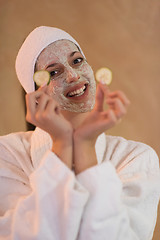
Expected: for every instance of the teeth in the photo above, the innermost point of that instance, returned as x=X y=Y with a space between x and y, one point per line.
x=77 y=92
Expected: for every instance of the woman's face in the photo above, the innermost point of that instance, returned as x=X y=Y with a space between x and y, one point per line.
x=72 y=80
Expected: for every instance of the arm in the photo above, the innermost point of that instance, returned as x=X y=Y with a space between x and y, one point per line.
x=52 y=200
x=97 y=122
x=44 y=112
x=122 y=204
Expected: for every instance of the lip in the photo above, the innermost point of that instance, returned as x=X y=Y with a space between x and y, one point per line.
x=76 y=87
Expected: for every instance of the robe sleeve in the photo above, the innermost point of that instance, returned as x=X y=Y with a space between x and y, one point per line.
x=51 y=207
x=123 y=202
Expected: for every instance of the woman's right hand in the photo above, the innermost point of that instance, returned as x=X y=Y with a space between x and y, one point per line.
x=44 y=112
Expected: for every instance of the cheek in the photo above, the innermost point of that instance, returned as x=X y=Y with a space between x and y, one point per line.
x=86 y=71
x=55 y=88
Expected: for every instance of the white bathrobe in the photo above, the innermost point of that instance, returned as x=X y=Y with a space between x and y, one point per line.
x=42 y=199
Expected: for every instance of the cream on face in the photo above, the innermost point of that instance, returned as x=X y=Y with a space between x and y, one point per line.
x=73 y=85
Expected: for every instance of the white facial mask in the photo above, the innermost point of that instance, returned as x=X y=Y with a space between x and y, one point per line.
x=70 y=77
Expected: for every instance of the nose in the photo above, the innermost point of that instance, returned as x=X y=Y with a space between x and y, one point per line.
x=72 y=75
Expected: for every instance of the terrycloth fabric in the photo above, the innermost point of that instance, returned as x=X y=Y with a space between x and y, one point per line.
x=41 y=198
x=36 y=41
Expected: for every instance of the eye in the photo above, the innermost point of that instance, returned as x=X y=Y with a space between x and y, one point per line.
x=53 y=73
x=56 y=72
x=78 y=61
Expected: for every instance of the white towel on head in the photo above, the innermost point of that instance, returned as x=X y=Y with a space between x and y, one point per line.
x=36 y=41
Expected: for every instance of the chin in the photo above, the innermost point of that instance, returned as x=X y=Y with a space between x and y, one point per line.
x=78 y=108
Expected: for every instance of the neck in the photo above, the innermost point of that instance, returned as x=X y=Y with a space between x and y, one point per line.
x=75 y=118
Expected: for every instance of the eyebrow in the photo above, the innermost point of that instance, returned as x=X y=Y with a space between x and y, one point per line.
x=51 y=65
x=71 y=55
x=54 y=64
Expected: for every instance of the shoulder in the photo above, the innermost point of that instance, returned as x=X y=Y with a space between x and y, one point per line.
x=15 y=145
x=13 y=138
x=123 y=152
x=126 y=145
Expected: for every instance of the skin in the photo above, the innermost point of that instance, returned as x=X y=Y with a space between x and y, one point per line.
x=68 y=74
x=73 y=132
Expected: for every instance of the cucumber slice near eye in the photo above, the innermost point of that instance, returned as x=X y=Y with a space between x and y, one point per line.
x=41 y=77
x=104 y=75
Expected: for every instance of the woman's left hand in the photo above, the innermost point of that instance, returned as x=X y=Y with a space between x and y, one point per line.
x=97 y=122
x=100 y=120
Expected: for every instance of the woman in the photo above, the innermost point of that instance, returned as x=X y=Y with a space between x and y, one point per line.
x=66 y=179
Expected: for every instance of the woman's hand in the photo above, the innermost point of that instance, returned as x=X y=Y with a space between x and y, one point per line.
x=44 y=112
x=97 y=121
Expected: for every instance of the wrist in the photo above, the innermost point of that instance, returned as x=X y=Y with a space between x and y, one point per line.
x=63 y=148
x=63 y=136
x=84 y=142
x=84 y=155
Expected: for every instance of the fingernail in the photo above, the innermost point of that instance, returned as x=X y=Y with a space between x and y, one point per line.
x=103 y=82
x=44 y=84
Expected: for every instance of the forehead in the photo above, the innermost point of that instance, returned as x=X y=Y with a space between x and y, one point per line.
x=58 y=49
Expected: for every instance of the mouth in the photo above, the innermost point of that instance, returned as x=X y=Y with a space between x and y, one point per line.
x=77 y=91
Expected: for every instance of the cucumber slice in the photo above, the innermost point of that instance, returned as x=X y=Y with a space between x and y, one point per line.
x=104 y=75
x=41 y=77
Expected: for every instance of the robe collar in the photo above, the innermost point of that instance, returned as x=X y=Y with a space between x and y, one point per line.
x=42 y=142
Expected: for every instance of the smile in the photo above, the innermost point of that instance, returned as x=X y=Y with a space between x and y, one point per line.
x=77 y=92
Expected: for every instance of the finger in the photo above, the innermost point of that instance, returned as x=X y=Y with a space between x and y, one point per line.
x=110 y=114
x=109 y=119
x=52 y=107
x=117 y=106
x=99 y=99
x=31 y=102
x=105 y=89
x=42 y=102
x=31 y=105
x=121 y=96
x=43 y=88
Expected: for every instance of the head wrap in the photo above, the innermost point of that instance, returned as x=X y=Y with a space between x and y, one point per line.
x=36 y=41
